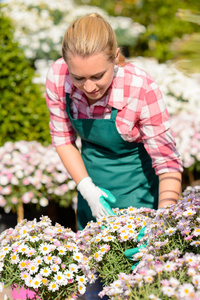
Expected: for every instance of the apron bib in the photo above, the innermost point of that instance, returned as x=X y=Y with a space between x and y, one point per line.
x=124 y=168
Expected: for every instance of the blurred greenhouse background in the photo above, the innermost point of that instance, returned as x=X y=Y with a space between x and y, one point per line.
x=160 y=36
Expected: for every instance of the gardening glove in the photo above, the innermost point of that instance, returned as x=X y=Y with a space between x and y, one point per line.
x=97 y=198
x=130 y=252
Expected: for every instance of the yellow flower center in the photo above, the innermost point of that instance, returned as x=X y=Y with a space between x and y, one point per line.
x=23 y=264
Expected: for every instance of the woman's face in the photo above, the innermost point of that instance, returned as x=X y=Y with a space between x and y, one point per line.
x=92 y=75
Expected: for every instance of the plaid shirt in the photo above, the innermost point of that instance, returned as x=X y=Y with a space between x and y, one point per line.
x=142 y=115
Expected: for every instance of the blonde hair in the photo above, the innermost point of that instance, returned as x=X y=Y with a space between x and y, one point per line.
x=90 y=35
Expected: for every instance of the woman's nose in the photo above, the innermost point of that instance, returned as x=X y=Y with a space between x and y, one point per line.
x=89 y=86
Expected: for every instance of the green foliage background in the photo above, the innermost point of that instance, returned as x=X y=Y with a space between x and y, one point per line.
x=24 y=114
x=160 y=19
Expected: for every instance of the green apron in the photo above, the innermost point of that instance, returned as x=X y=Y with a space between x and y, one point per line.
x=124 y=168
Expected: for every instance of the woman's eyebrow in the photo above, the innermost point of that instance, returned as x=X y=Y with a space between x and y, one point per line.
x=97 y=74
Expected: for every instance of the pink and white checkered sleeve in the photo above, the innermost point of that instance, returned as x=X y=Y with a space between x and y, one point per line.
x=156 y=133
x=61 y=130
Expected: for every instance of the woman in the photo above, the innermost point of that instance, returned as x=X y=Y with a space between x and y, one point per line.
x=119 y=113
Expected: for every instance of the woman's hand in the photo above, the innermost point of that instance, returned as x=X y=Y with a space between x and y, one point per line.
x=97 y=198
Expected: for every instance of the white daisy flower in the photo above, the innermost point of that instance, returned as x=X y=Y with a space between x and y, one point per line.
x=60 y=278
x=69 y=274
x=38 y=260
x=23 y=231
x=53 y=286
x=189 y=212
x=31 y=252
x=48 y=259
x=57 y=260
x=98 y=238
x=81 y=279
x=170 y=231
x=25 y=275
x=2 y=255
x=72 y=246
x=28 y=281
x=174 y=282
x=45 y=281
x=196 y=232
x=33 y=268
x=148 y=278
x=195 y=243
x=191 y=271
x=108 y=238
x=98 y=256
x=124 y=236
x=104 y=249
x=23 y=248
x=137 y=256
x=44 y=248
x=73 y=268
x=54 y=268
x=81 y=289
x=168 y=291
x=14 y=258
x=6 y=249
x=22 y=264
x=45 y=271
x=190 y=259
x=169 y=266
x=33 y=238
x=186 y=290
x=78 y=256
x=36 y=282
x=62 y=250
x=196 y=281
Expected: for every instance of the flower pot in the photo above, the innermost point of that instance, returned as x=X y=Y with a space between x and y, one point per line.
x=22 y=294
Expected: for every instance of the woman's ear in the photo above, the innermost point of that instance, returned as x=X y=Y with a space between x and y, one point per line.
x=117 y=56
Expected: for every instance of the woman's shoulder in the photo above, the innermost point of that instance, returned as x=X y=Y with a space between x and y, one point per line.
x=58 y=75
x=131 y=69
x=59 y=67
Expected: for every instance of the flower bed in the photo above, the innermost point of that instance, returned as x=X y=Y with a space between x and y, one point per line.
x=42 y=258
x=32 y=174
x=167 y=265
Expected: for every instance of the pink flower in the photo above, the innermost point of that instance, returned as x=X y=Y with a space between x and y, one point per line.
x=188 y=238
x=57 y=243
x=2 y=201
x=26 y=181
x=158 y=268
x=14 y=200
x=165 y=282
x=26 y=197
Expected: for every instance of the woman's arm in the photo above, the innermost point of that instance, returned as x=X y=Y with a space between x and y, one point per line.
x=169 y=188
x=96 y=197
x=72 y=160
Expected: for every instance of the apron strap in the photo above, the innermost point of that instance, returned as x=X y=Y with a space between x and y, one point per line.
x=114 y=113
